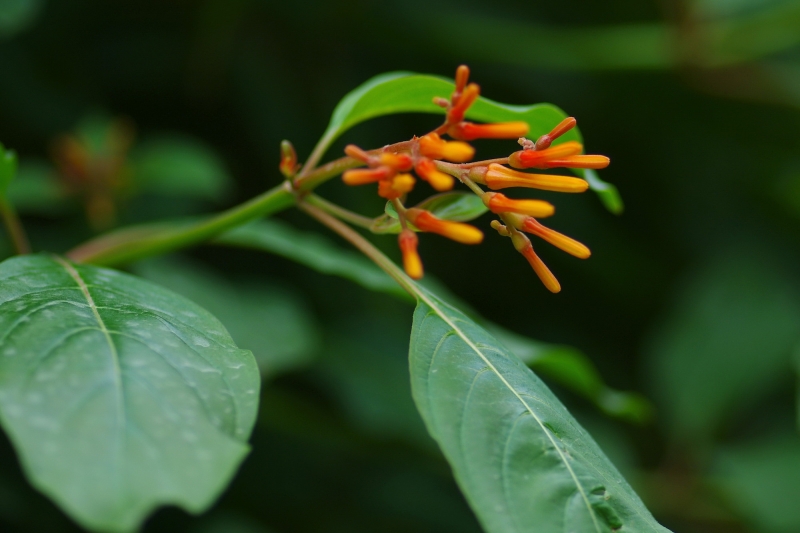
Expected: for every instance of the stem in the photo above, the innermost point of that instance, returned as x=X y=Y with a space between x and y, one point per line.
x=474 y=187
x=139 y=242
x=14 y=227
x=363 y=245
x=339 y=212
x=307 y=182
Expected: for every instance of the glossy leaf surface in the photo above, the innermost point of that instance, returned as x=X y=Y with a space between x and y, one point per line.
x=118 y=395
x=520 y=458
x=402 y=92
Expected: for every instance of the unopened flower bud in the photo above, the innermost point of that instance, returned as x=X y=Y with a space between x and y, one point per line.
x=396 y=187
x=412 y=264
x=463 y=102
x=434 y=147
x=500 y=228
x=288 y=166
x=500 y=203
x=426 y=169
x=357 y=153
x=362 y=176
x=399 y=162
x=462 y=75
x=467 y=131
x=457 y=231
x=569 y=245
x=500 y=177
x=524 y=246
x=533 y=158
x=577 y=161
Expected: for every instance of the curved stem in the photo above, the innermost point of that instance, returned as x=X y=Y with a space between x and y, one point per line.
x=363 y=245
x=139 y=242
x=339 y=212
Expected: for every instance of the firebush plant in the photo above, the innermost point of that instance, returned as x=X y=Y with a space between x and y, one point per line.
x=121 y=396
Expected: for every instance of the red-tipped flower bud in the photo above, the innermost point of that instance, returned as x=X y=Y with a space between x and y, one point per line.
x=467 y=131
x=534 y=158
x=457 y=231
x=500 y=177
x=463 y=102
x=288 y=166
x=412 y=264
x=569 y=245
x=500 y=203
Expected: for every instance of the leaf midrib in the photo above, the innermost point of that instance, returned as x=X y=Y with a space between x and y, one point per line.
x=422 y=296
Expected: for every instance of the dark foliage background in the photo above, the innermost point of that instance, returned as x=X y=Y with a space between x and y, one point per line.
x=691 y=296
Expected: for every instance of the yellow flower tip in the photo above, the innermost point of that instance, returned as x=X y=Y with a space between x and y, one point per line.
x=536 y=158
x=432 y=146
x=500 y=203
x=467 y=131
x=457 y=231
x=400 y=162
x=362 y=176
x=288 y=165
x=426 y=169
x=412 y=264
x=567 y=244
x=356 y=153
x=396 y=187
x=524 y=246
x=500 y=177
x=578 y=161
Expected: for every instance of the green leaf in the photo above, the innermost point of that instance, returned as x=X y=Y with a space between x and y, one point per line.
x=180 y=166
x=118 y=395
x=759 y=480
x=570 y=368
x=403 y=92
x=268 y=319
x=18 y=15
x=733 y=321
x=520 y=458
x=457 y=206
x=312 y=250
x=8 y=168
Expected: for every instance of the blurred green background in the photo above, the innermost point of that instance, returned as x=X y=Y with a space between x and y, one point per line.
x=691 y=297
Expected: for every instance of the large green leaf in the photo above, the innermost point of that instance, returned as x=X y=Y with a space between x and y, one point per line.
x=520 y=458
x=118 y=395
x=403 y=92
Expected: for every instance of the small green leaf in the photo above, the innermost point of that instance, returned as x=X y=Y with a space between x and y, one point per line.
x=312 y=250
x=118 y=395
x=403 y=92
x=180 y=166
x=456 y=206
x=521 y=460
x=8 y=168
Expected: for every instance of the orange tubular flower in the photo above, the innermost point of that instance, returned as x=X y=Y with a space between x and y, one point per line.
x=567 y=244
x=500 y=177
x=362 y=176
x=467 y=131
x=563 y=127
x=412 y=264
x=500 y=203
x=524 y=246
x=457 y=231
x=399 y=162
x=426 y=169
x=462 y=103
x=396 y=186
x=534 y=158
x=577 y=161
x=432 y=146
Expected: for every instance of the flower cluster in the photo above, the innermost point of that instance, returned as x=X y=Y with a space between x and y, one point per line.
x=440 y=162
